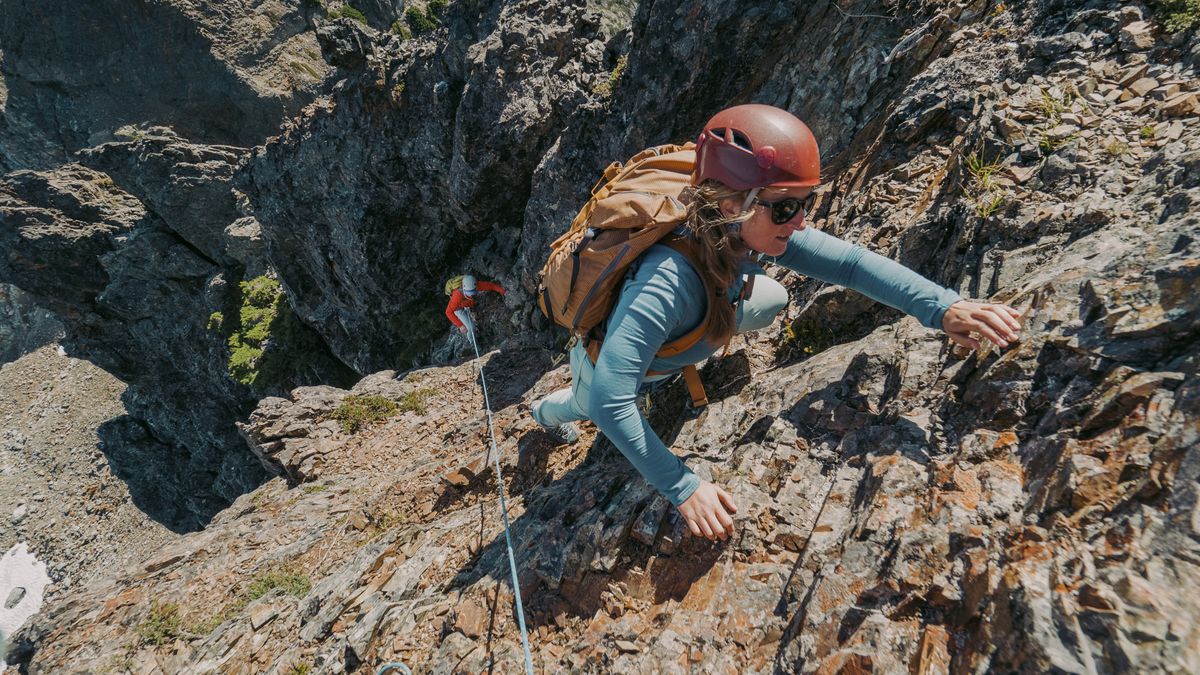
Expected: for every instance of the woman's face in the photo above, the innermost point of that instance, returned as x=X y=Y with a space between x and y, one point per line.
x=760 y=232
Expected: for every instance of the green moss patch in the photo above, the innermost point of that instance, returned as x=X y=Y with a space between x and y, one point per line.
x=349 y=12
x=269 y=347
x=607 y=88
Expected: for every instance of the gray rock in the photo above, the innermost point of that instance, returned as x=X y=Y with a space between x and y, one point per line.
x=216 y=75
x=901 y=507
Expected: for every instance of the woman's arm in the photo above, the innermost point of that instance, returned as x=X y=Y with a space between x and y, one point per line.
x=660 y=296
x=825 y=257
x=454 y=305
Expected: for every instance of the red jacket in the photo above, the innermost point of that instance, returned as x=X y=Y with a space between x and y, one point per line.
x=459 y=301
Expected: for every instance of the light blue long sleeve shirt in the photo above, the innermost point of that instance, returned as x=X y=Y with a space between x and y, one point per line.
x=663 y=297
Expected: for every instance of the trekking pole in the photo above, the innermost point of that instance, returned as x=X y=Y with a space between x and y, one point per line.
x=512 y=563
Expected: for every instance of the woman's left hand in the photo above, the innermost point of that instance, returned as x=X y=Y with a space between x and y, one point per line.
x=998 y=323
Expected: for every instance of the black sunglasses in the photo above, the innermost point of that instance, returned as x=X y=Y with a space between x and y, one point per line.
x=783 y=210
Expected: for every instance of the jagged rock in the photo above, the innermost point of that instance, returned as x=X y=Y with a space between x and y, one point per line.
x=1181 y=105
x=1055 y=45
x=902 y=507
x=186 y=185
x=76 y=74
x=23 y=325
x=1137 y=36
x=133 y=296
x=345 y=43
x=457 y=131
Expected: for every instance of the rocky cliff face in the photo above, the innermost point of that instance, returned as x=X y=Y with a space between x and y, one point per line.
x=903 y=507
x=73 y=74
x=141 y=253
x=23 y=325
x=61 y=488
x=421 y=160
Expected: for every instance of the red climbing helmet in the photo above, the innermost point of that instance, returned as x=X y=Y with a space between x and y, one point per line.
x=757 y=146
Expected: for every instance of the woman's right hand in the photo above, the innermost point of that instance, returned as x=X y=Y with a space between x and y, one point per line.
x=707 y=512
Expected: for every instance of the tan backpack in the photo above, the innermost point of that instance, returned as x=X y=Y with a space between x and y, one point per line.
x=633 y=206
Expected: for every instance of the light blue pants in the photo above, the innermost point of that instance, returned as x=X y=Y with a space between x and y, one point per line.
x=570 y=404
x=464 y=315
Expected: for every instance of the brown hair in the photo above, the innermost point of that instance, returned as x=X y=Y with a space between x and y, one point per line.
x=716 y=234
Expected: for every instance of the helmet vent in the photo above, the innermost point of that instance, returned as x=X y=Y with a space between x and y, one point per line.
x=742 y=140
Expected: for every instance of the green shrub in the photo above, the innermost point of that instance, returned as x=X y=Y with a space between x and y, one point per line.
x=261 y=298
x=357 y=411
x=1177 y=15
x=349 y=12
x=162 y=626
x=419 y=21
x=206 y=626
x=1147 y=133
x=216 y=320
x=808 y=337
x=436 y=7
x=414 y=401
x=297 y=585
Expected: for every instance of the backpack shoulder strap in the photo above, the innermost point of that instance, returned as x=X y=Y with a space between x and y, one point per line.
x=686 y=247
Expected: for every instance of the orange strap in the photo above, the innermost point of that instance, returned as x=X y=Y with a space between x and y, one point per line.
x=695 y=387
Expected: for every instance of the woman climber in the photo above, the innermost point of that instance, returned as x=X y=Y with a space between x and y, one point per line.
x=462 y=291
x=755 y=170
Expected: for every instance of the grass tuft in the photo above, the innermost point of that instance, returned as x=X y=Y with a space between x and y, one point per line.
x=414 y=401
x=1052 y=108
x=296 y=585
x=982 y=191
x=357 y=411
x=401 y=29
x=162 y=626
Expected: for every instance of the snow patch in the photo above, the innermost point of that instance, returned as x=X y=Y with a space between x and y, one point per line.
x=23 y=581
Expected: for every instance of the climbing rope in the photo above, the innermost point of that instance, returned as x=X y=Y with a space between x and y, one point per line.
x=495 y=453
x=394 y=666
